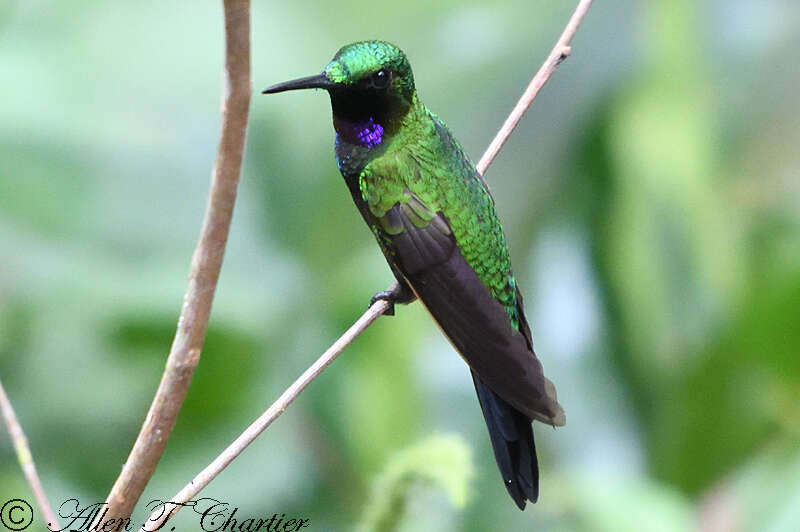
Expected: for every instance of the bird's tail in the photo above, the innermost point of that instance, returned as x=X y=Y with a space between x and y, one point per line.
x=512 y=441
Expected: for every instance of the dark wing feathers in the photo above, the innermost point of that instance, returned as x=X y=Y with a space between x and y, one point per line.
x=475 y=322
x=508 y=377
x=419 y=247
x=512 y=441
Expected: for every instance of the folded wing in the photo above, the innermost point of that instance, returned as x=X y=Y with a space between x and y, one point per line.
x=424 y=249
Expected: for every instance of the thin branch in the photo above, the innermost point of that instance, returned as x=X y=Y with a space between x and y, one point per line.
x=376 y=309
x=205 y=268
x=26 y=459
x=271 y=414
x=560 y=52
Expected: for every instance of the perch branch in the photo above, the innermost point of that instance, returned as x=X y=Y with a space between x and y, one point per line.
x=26 y=459
x=204 y=272
x=558 y=54
x=200 y=481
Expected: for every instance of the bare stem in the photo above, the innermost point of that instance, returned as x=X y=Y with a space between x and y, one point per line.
x=271 y=414
x=560 y=51
x=26 y=459
x=205 y=268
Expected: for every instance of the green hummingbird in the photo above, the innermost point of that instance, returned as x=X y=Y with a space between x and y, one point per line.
x=436 y=223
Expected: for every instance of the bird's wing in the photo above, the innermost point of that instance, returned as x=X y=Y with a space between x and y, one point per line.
x=424 y=249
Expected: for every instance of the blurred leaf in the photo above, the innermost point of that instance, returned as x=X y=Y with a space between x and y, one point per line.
x=228 y=363
x=444 y=461
x=740 y=391
x=614 y=503
x=763 y=495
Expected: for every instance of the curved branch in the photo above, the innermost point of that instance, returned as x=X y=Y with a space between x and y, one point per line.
x=206 y=263
x=560 y=52
x=155 y=522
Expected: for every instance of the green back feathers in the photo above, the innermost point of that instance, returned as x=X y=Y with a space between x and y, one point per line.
x=421 y=159
x=426 y=162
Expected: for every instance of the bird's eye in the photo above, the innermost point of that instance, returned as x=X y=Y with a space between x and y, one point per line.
x=381 y=79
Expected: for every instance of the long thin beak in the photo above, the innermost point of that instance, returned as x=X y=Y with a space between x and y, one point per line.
x=318 y=81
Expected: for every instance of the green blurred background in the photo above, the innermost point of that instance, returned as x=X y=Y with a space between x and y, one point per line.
x=651 y=199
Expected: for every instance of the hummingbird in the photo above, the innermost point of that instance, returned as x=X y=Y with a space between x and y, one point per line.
x=435 y=222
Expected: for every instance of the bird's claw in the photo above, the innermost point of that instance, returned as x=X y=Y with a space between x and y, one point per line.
x=397 y=293
x=389 y=297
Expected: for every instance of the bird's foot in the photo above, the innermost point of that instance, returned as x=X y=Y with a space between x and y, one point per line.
x=397 y=293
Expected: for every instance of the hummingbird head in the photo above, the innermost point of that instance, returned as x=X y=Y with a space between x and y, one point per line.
x=371 y=87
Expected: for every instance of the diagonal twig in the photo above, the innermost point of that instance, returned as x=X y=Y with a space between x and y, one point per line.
x=26 y=460
x=157 y=518
x=205 y=268
x=559 y=53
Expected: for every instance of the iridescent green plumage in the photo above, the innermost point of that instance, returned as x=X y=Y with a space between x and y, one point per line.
x=436 y=224
x=419 y=163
